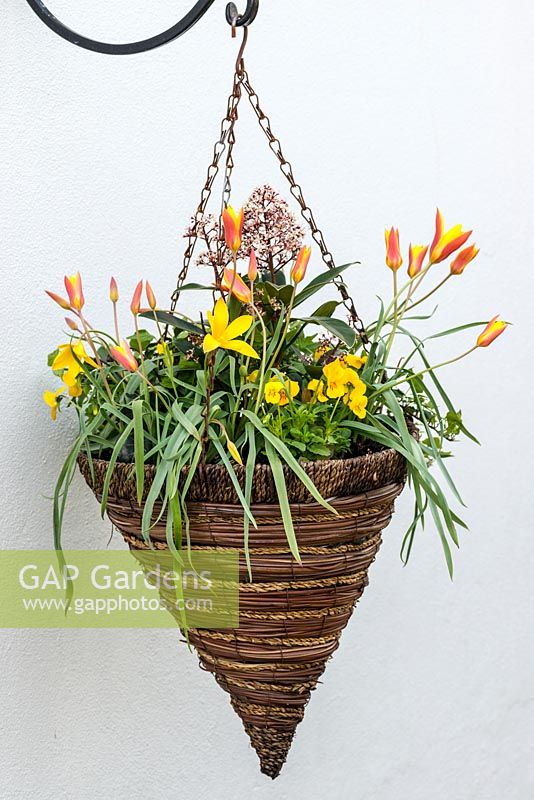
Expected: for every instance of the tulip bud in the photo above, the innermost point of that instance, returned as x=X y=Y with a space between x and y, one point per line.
x=417 y=255
x=59 y=300
x=300 y=266
x=73 y=285
x=151 y=297
x=252 y=267
x=234 y=284
x=136 y=299
x=393 y=253
x=113 y=291
x=233 y=227
x=446 y=243
x=464 y=258
x=72 y=325
x=493 y=329
x=124 y=356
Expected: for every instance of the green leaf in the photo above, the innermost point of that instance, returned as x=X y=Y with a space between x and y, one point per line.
x=166 y=318
x=327 y=309
x=290 y=460
x=139 y=448
x=281 y=491
x=324 y=279
x=112 y=461
x=335 y=326
x=231 y=472
x=249 y=477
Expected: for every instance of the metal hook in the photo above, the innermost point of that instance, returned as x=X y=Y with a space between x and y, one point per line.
x=181 y=27
x=237 y=20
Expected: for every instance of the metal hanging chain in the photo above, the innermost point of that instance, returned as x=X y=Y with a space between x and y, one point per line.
x=227 y=140
x=213 y=170
x=307 y=213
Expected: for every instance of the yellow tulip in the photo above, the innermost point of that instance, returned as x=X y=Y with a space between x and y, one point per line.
x=224 y=333
x=51 y=400
x=234 y=452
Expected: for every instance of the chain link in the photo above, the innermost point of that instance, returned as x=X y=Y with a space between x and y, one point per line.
x=227 y=140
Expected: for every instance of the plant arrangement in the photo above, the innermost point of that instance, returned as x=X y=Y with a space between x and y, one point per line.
x=271 y=373
x=272 y=426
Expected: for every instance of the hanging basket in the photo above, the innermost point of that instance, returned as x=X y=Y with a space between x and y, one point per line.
x=291 y=616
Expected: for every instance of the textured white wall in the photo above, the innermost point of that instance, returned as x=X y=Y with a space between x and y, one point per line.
x=386 y=109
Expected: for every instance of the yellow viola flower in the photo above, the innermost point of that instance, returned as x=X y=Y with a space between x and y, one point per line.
x=356 y=362
x=51 y=400
x=338 y=376
x=275 y=391
x=70 y=358
x=224 y=333
x=253 y=377
x=317 y=389
x=358 y=403
x=162 y=348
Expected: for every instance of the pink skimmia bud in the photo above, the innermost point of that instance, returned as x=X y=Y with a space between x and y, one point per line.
x=233 y=227
x=59 y=300
x=417 y=255
x=113 y=291
x=73 y=285
x=123 y=355
x=464 y=258
x=151 y=297
x=72 y=325
x=493 y=329
x=136 y=299
x=252 y=266
x=446 y=243
x=393 y=253
x=234 y=284
x=298 y=271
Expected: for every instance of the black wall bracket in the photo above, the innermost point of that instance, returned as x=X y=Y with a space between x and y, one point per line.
x=234 y=18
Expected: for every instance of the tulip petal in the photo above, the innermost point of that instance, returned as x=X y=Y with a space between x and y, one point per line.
x=238 y=327
x=241 y=347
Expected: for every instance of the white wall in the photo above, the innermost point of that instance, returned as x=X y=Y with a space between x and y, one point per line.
x=386 y=108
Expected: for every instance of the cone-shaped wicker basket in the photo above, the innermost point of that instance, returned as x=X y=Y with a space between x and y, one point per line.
x=291 y=615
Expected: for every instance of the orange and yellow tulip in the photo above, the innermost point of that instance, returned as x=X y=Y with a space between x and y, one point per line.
x=298 y=271
x=135 y=305
x=236 y=285
x=493 y=329
x=113 y=291
x=464 y=258
x=73 y=285
x=123 y=355
x=446 y=243
x=151 y=297
x=252 y=266
x=64 y=304
x=417 y=255
x=233 y=227
x=393 y=253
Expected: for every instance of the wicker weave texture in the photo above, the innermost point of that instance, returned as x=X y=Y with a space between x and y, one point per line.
x=291 y=615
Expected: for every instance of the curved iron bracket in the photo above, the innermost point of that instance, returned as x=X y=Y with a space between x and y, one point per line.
x=186 y=23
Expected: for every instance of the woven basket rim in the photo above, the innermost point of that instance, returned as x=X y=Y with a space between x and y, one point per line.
x=211 y=483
